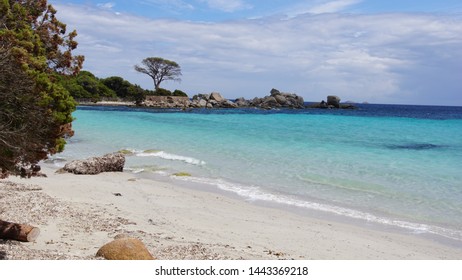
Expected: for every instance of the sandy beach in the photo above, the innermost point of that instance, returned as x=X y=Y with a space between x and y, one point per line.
x=79 y=214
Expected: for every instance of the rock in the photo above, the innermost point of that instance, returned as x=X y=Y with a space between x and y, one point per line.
x=167 y=101
x=333 y=100
x=228 y=104
x=269 y=102
x=108 y=163
x=280 y=99
x=217 y=97
x=256 y=102
x=347 y=106
x=214 y=103
x=202 y=103
x=275 y=92
x=300 y=101
x=241 y=102
x=125 y=249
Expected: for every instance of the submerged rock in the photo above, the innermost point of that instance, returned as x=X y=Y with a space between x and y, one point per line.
x=182 y=174
x=108 y=163
x=414 y=146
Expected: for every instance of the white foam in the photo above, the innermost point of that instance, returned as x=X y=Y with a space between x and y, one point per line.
x=255 y=193
x=134 y=170
x=168 y=156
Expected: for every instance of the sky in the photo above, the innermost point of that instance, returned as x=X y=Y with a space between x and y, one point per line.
x=376 y=51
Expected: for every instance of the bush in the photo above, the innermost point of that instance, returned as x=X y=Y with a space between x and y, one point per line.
x=178 y=92
x=162 y=92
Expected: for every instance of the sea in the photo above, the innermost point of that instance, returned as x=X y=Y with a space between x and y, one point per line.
x=391 y=167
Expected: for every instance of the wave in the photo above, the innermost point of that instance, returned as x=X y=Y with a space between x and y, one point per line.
x=167 y=156
x=254 y=193
x=56 y=161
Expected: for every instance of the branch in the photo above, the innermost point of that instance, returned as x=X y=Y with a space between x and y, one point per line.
x=19 y=232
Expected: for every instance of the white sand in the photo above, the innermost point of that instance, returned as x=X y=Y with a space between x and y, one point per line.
x=79 y=214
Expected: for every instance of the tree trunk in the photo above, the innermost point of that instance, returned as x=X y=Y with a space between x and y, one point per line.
x=20 y=232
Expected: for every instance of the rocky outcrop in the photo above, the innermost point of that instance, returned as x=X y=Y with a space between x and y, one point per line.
x=241 y=102
x=279 y=99
x=167 y=101
x=334 y=101
x=213 y=100
x=108 y=163
x=217 y=97
x=125 y=249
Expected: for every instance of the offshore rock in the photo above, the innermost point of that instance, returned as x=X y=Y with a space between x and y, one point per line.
x=241 y=102
x=333 y=100
x=213 y=100
x=279 y=99
x=125 y=249
x=270 y=102
x=217 y=97
x=108 y=163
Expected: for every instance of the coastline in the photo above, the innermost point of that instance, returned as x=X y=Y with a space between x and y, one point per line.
x=79 y=214
x=107 y=103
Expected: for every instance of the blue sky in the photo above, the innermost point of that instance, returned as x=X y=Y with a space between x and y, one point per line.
x=402 y=52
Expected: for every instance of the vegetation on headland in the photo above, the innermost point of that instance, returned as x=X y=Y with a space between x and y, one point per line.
x=35 y=109
x=87 y=87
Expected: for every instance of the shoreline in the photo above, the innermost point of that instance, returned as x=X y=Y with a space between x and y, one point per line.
x=82 y=213
x=400 y=227
x=107 y=103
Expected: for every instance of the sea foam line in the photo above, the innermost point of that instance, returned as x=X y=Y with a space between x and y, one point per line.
x=254 y=193
x=168 y=156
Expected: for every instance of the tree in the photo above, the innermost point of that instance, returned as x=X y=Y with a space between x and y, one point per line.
x=93 y=88
x=35 y=110
x=160 y=70
x=124 y=89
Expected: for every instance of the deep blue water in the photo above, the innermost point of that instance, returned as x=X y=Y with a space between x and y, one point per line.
x=393 y=165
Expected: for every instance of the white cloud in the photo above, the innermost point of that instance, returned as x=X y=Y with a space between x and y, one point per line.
x=397 y=58
x=169 y=4
x=108 y=5
x=320 y=7
x=332 y=6
x=227 y=5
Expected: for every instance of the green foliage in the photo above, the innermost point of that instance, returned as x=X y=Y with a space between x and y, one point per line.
x=120 y=86
x=86 y=86
x=178 y=92
x=94 y=86
x=162 y=92
x=35 y=109
x=166 y=92
x=125 y=90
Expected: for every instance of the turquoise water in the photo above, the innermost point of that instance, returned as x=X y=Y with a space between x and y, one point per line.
x=394 y=166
